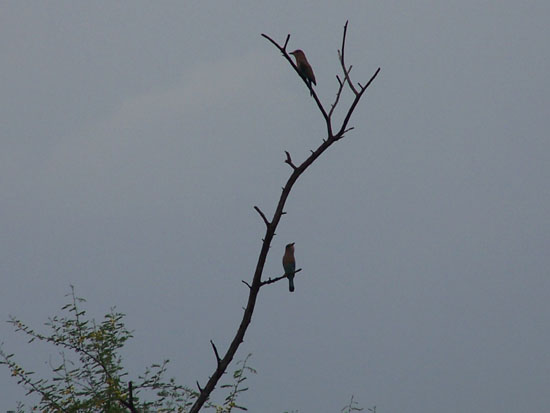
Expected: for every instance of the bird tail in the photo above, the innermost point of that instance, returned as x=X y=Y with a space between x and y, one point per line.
x=308 y=82
x=291 y=283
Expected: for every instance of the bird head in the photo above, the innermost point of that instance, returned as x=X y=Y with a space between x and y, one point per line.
x=298 y=54
x=290 y=246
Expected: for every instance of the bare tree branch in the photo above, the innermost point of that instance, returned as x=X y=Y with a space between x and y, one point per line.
x=354 y=104
x=262 y=215
x=282 y=277
x=337 y=98
x=289 y=160
x=271 y=226
x=218 y=359
x=342 y=61
x=286 y=41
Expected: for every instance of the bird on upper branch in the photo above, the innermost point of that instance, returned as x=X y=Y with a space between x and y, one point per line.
x=304 y=68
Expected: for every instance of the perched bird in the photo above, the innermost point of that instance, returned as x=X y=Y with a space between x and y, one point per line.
x=304 y=67
x=289 y=264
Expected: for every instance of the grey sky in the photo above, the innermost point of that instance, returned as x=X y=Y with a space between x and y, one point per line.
x=136 y=138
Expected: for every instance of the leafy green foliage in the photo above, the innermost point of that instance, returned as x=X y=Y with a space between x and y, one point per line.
x=239 y=377
x=89 y=376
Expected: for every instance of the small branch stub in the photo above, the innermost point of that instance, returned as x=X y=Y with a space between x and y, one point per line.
x=218 y=359
x=130 y=403
x=289 y=160
x=286 y=41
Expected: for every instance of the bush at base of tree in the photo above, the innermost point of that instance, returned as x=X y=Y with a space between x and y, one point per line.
x=90 y=377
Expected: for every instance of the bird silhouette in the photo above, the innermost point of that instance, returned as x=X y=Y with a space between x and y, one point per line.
x=289 y=264
x=304 y=68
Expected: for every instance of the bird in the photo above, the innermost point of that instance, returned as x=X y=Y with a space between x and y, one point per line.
x=289 y=264
x=304 y=68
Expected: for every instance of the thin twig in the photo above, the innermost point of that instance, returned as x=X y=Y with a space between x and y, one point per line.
x=338 y=93
x=289 y=160
x=342 y=60
x=370 y=80
x=286 y=41
x=262 y=215
x=282 y=277
x=354 y=104
x=218 y=359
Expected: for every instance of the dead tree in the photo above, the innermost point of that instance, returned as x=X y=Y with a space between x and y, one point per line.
x=222 y=362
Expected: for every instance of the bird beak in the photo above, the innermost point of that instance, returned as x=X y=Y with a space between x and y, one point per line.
x=293 y=243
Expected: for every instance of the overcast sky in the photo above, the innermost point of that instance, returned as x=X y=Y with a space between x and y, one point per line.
x=136 y=137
